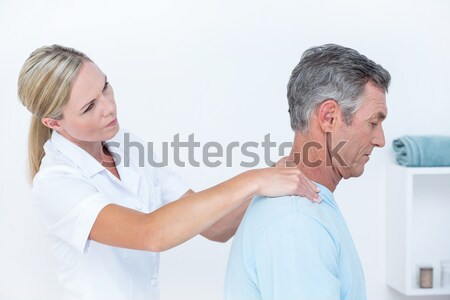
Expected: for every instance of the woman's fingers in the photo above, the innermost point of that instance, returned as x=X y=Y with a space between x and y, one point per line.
x=285 y=178
x=286 y=163
x=306 y=188
x=313 y=189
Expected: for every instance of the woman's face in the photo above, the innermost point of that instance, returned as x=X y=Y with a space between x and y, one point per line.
x=90 y=114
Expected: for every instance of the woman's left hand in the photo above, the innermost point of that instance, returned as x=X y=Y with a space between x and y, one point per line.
x=285 y=178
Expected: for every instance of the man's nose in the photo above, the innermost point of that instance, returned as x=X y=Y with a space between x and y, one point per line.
x=378 y=140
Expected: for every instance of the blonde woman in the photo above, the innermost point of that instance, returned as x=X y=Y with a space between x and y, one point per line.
x=106 y=221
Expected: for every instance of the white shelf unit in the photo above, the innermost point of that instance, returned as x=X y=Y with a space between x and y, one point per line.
x=418 y=226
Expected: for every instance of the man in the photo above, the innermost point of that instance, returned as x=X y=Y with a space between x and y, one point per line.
x=294 y=249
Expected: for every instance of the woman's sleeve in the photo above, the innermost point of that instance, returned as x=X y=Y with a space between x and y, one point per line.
x=171 y=185
x=69 y=204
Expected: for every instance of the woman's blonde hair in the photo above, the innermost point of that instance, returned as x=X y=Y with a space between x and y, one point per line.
x=44 y=86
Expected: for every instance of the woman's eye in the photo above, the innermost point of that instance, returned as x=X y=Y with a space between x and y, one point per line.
x=89 y=107
x=106 y=86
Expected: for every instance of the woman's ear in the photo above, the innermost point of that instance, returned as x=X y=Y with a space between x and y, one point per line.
x=328 y=114
x=52 y=124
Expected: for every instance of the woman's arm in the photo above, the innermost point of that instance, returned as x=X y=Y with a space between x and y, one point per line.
x=181 y=220
x=226 y=227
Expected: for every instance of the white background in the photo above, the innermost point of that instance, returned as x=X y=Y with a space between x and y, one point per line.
x=218 y=69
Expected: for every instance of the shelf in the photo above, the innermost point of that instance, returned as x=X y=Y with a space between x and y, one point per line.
x=421 y=171
x=428 y=292
x=418 y=226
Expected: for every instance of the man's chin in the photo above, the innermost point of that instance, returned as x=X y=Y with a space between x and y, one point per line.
x=358 y=172
x=353 y=172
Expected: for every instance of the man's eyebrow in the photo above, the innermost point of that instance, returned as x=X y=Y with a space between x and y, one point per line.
x=380 y=116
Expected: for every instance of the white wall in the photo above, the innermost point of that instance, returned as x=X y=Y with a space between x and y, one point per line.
x=217 y=69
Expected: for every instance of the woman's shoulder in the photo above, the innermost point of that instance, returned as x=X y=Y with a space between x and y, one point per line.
x=56 y=171
x=55 y=166
x=55 y=161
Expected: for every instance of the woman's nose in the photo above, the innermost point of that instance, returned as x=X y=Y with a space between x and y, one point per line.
x=108 y=106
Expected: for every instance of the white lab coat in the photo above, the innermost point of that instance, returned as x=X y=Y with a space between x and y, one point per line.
x=70 y=189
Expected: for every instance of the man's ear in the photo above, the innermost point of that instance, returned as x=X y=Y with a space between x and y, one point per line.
x=52 y=124
x=328 y=114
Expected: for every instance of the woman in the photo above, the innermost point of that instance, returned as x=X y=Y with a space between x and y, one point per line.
x=106 y=221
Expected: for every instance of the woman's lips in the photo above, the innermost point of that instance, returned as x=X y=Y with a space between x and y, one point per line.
x=113 y=122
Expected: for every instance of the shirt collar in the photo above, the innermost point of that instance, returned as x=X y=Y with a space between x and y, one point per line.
x=130 y=179
x=88 y=164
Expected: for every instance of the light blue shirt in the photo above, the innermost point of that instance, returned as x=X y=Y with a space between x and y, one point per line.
x=289 y=248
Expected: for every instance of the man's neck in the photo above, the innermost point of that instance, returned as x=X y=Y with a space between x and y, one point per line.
x=312 y=157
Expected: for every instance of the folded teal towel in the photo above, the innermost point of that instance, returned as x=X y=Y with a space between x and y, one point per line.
x=423 y=151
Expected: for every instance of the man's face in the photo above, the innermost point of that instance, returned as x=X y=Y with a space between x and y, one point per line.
x=363 y=134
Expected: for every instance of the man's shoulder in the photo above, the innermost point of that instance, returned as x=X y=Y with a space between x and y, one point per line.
x=266 y=212
x=271 y=205
x=270 y=209
x=288 y=218
x=269 y=212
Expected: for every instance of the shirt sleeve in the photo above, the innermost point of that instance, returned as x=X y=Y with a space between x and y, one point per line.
x=68 y=203
x=296 y=258
x=171 y=185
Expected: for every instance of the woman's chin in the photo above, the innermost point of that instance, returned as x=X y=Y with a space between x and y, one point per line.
x=112 y=132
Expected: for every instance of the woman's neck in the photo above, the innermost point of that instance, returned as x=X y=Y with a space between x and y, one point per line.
x=95 y=149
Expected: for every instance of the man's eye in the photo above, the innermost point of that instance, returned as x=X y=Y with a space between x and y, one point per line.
x=89 y=107
x=374 y=124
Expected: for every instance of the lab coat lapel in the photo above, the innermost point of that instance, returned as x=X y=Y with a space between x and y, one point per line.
x=87 y=164
x=129 y=177
x=129 y=174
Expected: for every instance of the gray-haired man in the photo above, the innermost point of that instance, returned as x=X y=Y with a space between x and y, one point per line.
x=292 y=248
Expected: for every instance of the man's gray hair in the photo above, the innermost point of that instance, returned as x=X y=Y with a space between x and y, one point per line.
x=331 y=72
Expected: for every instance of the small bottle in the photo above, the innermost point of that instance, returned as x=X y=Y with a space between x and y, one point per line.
x=445 y=273
x=426 y=277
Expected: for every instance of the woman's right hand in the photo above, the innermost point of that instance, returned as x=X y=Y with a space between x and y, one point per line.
x=285 y=178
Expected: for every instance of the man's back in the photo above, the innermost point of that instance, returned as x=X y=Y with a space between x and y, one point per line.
x=290 y=248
